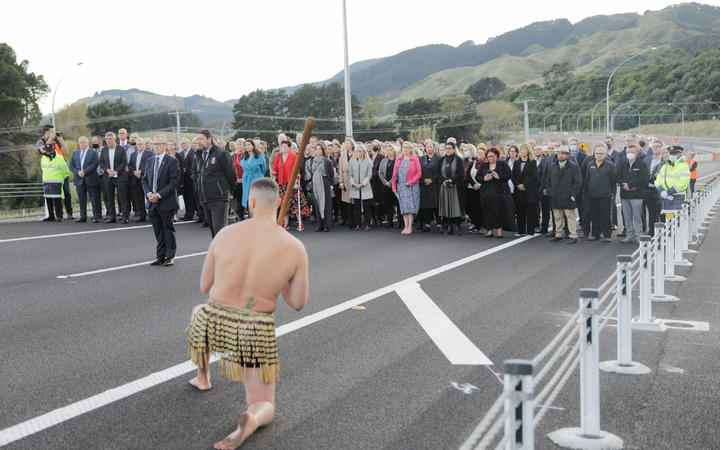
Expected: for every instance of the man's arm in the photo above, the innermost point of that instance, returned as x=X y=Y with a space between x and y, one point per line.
x=207 y=278
x=297 y=290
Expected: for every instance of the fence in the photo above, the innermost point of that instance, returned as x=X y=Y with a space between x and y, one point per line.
x=577 y=342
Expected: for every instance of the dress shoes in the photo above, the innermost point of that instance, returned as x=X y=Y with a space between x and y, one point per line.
x=125 y=220
x=572 y=241
x=158 y=261
x=556 y=239
x=49 y=219
x=59 y=219
x=110 y=221
x=96 y=221
x=169 y=262
x=82 y=220
x=141 y=219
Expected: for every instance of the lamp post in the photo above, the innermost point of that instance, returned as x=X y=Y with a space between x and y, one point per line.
x=56 y=88
x=682 y=118
x=607 y=89
x=348 y=97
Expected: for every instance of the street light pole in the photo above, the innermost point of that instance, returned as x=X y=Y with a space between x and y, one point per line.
x=348 y=95
x=56 y=88
x=607 y=89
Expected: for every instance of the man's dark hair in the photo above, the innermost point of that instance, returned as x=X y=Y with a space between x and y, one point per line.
x=206 y=133
x=47 y=127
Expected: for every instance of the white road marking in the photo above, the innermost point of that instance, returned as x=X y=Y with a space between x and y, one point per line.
x=465 y=388
x=672 y=369
x=456 y=347
x=65 y=413
x=77 y=233
x=126 y=266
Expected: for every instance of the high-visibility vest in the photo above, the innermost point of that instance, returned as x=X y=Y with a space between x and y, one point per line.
x=693 y=172
x=673 y=178
x=54 y=171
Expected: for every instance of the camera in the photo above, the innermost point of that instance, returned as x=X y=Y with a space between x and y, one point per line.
x=375 y=148
x=58 y=134
x=488 y=172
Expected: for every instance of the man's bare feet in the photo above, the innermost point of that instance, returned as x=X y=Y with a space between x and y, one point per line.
x=201 y=384
x=246 y=426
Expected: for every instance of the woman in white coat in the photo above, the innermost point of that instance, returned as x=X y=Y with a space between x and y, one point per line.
x=360 y=189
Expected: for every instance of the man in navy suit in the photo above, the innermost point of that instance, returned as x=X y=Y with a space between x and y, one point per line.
x=83 y=165
x=160 y=182
x=136 y=169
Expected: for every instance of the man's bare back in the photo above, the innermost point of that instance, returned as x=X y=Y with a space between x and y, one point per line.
x=250 y=263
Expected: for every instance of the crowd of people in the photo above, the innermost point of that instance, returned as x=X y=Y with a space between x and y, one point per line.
x=563 y=189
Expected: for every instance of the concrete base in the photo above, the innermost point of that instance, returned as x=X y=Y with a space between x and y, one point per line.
x=664 y=298
x=573 y=438
x=634 y=368
x=654 y=325
x=691 y=251
x=683 y=263
x=675 y=278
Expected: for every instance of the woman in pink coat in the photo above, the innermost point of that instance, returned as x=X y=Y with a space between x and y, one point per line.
x=406 y=175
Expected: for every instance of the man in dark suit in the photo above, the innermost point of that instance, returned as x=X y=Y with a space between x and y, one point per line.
x=136 y=168
x=160 y=182
x=113 y=161
x=83 y=165
x=188 y=155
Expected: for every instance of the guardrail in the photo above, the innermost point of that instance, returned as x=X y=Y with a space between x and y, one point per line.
x=15 y=190
x=577 y=342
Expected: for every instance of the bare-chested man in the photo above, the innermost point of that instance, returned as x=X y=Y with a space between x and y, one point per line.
x=247 y=266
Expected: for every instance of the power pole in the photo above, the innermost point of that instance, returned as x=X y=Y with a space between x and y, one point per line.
x=526 y=116
x=177 y=117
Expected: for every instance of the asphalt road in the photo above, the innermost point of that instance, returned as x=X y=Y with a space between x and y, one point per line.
x=358 y=379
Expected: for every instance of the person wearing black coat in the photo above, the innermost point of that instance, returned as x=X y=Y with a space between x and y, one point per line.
x=216 y=179
x=451 y=184
x=562 y=186
x=633 y=180
x=429 y=187
x=525 y=179
x=600 y=183
x=495 y=199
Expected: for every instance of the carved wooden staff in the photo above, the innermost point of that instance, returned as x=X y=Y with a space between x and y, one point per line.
x=309 y=125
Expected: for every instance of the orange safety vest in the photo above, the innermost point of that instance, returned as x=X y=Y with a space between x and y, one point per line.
x=693 y=172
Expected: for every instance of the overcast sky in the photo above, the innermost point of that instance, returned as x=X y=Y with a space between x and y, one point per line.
x=224 y=49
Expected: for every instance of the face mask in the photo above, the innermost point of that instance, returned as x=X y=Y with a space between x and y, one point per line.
x=467 y=154
x=573 y=148
x=682 y=158
x=545 y=148
x=631 y=156
x=96 y=146
x=642 y=143
x=672 y=158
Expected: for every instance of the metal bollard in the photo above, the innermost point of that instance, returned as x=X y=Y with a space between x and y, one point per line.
x=659 y=265
x=670 y=222
x=680 y=238
x=646 y=321
x=687 y=239
x=519 y=405
x=589 y=434
x=624 y=363
x=692 y=222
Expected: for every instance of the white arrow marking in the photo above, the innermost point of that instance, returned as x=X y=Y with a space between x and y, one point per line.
x=449 y=339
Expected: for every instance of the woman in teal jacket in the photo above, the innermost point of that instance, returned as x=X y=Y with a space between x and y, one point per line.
x=254 y=167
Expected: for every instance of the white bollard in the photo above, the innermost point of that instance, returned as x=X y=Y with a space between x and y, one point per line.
x=589 y=435
x=659 y=265
x=519 y=405
x=692 y=222
x=670 y=230
x=624 y=363
x=646 y=321
x=680 y=235
x=687 y=239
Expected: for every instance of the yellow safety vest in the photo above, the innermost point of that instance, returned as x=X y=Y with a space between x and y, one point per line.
x=673 y=178
x=54 y=170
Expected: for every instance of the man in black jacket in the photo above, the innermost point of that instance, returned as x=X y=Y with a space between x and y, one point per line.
x=216 y=178
x=600 y=183
x=188 y=155
x=633 y=180
x=562 y=186
x=113 y=161
x=652 y=197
